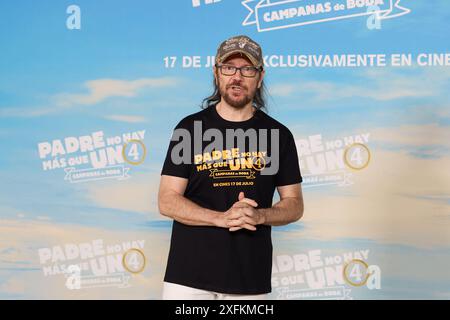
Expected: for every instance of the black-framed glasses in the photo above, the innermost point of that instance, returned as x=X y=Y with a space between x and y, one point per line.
x=246 y=71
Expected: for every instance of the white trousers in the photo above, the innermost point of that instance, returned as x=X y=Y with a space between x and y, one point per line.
x=173 y=291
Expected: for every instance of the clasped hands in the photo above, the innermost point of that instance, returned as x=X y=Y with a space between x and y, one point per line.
x=243 y=215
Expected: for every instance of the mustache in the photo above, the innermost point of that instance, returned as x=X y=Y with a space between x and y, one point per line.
x=236 y=84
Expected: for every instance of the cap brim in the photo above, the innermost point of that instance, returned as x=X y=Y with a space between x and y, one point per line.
x=250 y=57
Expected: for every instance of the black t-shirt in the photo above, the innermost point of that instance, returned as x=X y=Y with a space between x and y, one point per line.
x=213 y=258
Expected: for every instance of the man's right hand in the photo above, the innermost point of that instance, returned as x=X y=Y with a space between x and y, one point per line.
x=229 y=218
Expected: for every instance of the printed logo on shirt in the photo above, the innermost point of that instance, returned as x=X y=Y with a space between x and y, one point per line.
x=233 y=161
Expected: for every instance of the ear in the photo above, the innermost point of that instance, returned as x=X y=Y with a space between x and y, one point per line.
x=261 y=77
x=215 y=74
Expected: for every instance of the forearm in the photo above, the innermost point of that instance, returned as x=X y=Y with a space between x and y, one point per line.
x=183 y=210
x=285 y=211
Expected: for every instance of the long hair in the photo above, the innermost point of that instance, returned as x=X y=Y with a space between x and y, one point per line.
x=259 y=100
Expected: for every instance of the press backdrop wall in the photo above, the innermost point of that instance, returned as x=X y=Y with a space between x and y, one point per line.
x=90 y=92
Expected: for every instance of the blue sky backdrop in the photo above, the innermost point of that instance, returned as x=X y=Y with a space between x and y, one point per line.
x=110 y=76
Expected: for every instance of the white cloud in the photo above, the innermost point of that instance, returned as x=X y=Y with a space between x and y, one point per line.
x=26 y=112
x=377 y=84
x=132 y=195
x=443 y=295
x=13 y=286
x=283 y=90
x=25 y=237
x=126 y=118
x=413 y=135
x=97 y=91
x=102 y=89
x=43 y=218
x=398 y=198
x=381 y=92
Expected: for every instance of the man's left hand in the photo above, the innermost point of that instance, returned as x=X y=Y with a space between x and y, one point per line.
x=249 y=214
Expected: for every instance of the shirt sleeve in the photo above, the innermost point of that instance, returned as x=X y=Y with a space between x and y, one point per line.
x=174 y=165
x=289 y=170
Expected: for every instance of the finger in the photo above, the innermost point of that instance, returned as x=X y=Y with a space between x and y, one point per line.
x=249 y=220
x=234 y=215
x=240 y=205
x=249 y=227
x=246 y=223
x=241 y=196
x=251 y=202
x=248 y=211
x=244 y=226
x=235 y=223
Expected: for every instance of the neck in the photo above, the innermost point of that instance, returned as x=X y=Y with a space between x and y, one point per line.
x=232 y=114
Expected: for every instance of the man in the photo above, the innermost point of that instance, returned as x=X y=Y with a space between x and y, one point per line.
x=220 y=195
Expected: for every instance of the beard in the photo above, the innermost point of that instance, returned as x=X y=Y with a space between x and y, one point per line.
x=237 y=102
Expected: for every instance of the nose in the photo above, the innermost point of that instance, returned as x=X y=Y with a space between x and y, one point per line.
x=237 y=75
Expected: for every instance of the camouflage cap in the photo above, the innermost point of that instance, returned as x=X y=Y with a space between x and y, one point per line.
x=240 y=44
